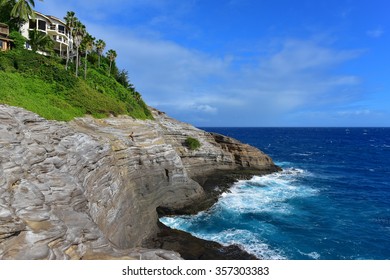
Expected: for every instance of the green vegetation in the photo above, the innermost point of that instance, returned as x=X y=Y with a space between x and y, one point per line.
x=50 y=86
x=18 y=40
x=192 y=143
x=100 y=46
x=16 y=12
x=42 y=85
x=40 y=41
x=111 y=54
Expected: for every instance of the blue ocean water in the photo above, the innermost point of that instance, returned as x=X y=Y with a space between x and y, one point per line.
x=331 y=201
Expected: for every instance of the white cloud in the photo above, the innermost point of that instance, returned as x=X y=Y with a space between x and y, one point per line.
x=291 y=75
x=206 y=108
x=299 y=74
x=376 y=33
x=352 y=113
x=303 y=55
x=191 y=83
x=346 y=12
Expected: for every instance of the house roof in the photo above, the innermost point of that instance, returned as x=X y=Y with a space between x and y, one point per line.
x=42 y=15
x=57 y=19
x=50 y=19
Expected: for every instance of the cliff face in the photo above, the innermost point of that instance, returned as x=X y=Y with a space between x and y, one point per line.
x=90 y=188
x=217 y=152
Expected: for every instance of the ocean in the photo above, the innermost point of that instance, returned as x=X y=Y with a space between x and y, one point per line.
x=330 y=202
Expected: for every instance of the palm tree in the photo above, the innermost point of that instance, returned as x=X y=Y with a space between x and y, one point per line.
x=39 y=41
x=22 y=9
x=100 y=46
x=111 y=54
x=70 y=20
x=78 y=34
x=88 y=44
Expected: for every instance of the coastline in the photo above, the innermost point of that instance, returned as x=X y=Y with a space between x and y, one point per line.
x=193 y=248
x=86 y=188
x=214 y=185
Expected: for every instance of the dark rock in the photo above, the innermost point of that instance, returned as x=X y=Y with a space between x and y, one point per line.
x=192 y=248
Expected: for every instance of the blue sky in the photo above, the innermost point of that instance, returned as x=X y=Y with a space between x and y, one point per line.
x=250 y=62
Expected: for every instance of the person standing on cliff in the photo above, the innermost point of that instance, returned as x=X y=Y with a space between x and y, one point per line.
x=132 y=136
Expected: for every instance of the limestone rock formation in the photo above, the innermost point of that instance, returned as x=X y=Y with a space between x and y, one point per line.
x=89 y=188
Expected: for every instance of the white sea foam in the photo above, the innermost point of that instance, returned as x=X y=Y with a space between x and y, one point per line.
x=262 y=195
x=283 y=163
x=312 y=255
x=268 y=193
x=247 y=240
x=176 y=222
x=302 y=154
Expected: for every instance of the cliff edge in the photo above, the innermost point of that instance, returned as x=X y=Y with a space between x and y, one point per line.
x=90 y=188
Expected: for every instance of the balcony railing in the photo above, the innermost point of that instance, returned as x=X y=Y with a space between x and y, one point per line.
x=60 y=39
x=4 y=31
x=55 y=28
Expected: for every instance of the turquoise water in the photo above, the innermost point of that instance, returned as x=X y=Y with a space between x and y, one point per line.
x=331 y=201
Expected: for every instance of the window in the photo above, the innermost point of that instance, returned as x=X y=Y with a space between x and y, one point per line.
x=32 y=24
x=41 y=25
x=61 y=29
x=1 y=45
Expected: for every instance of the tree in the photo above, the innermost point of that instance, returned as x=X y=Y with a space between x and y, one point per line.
x=88 y=43
x=5 y=14
x=100 y=46
x=22 y=10
x=39 y=41
x=71 y=21
x=122 y=77
x=19 y=41
x=137 y=96
x=111 y=55
x=78 y=34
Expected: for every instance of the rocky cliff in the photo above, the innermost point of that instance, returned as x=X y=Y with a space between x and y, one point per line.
x=90 y=188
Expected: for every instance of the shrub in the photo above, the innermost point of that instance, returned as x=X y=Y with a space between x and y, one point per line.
x=18 y=40
x=192 y=143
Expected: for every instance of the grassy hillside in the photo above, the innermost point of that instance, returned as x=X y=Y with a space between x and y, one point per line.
x=42 y=85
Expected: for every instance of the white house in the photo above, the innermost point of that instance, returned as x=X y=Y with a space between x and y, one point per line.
x=55 y=28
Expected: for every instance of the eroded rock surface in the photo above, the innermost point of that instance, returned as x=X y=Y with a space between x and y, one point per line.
x=89 y=188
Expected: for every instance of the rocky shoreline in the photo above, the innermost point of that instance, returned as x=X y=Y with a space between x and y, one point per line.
x=192 y=248
x=91 y=188
x=214 y=185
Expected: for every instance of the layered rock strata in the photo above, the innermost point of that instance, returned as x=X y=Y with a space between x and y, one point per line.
x=89 y=189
